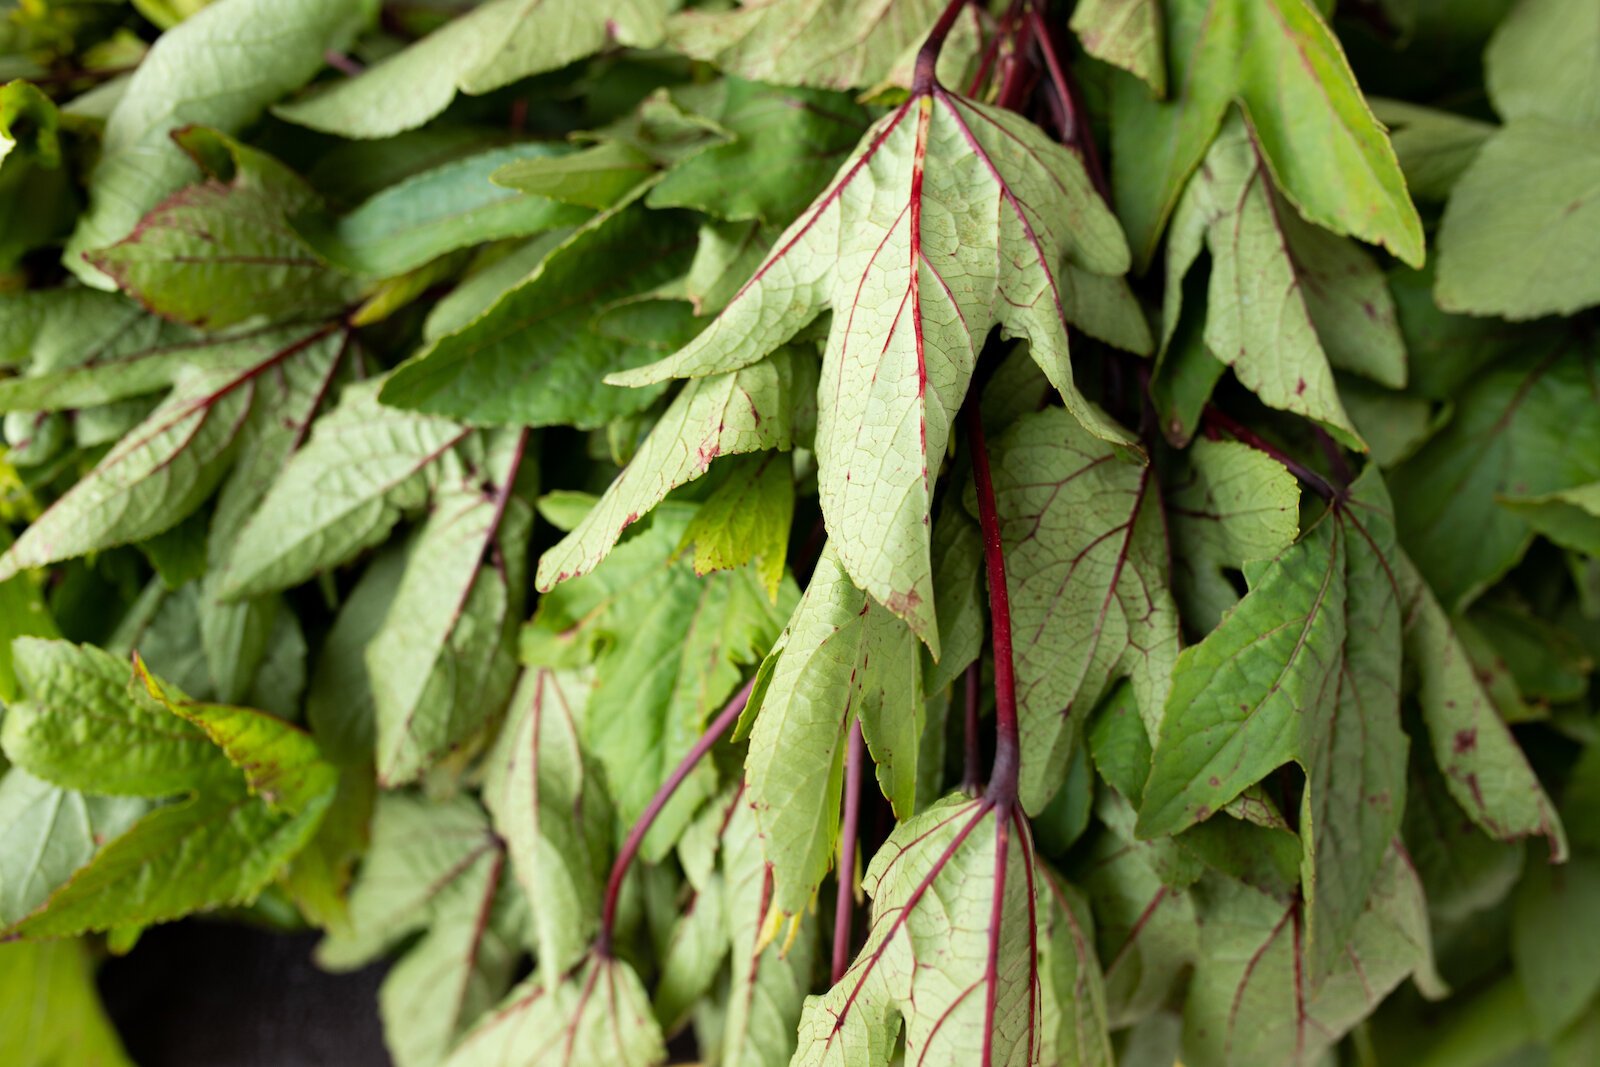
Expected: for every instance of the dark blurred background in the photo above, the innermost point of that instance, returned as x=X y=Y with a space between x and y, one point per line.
x=211 y=994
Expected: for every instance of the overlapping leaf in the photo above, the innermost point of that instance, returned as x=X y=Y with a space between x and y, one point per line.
x=951 y=218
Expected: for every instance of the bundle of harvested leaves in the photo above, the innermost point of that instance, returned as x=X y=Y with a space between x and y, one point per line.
x=846 y=532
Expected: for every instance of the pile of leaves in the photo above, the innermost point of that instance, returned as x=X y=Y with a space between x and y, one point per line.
x=843 y=532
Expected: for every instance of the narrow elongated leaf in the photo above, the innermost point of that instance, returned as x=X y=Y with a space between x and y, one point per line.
x=744 y=411
x=1287 y=302
x=535 y=357
x=496 y=44
x=840 y=657
x=1086 y=568
x=363 y=466
x=220 y=68
x=551 y=807
x=667 y=647
x=443 y=663
x=1306 y=667
x=1073 y=987
x=50 y=1011
x=950 y=952
x=1482 y=765
x=1280 y=61
x=903 y=248
x=434 y=212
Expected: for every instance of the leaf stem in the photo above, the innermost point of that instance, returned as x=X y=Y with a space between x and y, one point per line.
x=1075 y=132
x=923 y=77
x=1216 y=420
x=844 y=902
x=972 y=763
x=1003 y=774
x=630 y=847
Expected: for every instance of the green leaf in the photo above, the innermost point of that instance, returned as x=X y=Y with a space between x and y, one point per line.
x=162 y=470
x=218 y=253
x=1519 y=234
x=1569 y=517
x=220 y=68
x=958 y=591
x=495 y=44
x=839 y=657
x=364 y=465
x=46 y=833
x=50 y=1011
x=853 y=44
x=1306 y=667
x=1127 y=34
x=434 y=212
x=748 y=410
x=1229 y=505
x=950 y=950
x=1553 y=943
x=1248 y=1002
x=786 y=144
x=552 y=809
x=668 y=648
x=86 y=723
x=1280 y=62
x=534 y=357
x=598 y=176
x=599 y=1013
x=768 y=982
x=1434 y=147
x=443 y=663
x=1482 y=765
x=339 y=703
x=1521 y=429
x=280 y=763
x=1073 y=987
x=904 y=340
x=1287 y=302
x=1540 y=62
x=1086 y=566
x=746 y=520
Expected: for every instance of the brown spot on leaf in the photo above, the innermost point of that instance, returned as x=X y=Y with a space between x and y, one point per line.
x=1466 y=741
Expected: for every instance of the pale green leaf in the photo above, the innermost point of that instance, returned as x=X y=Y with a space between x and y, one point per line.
x=1522 y=229
x=1248 y=1003
x=959 y=594
x=220 y=68
x=1434 y=147
x=1073 y=994
x=913 y=302
x=744 y=411
x=364 y=465
x=950 y=950
x=46 y=833
x=1230 y=504
x=1279 y=60
x=493 y=45
x=496 y=270
x=339 y=702
x=1544 y=62
x=599 y=1013
x=553 y=811
x=1569 y=517
x=1086 y=566
x=746 y=519
x=598 y=176
x=1125 y=33
x=839 y=657
x=443 y=663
